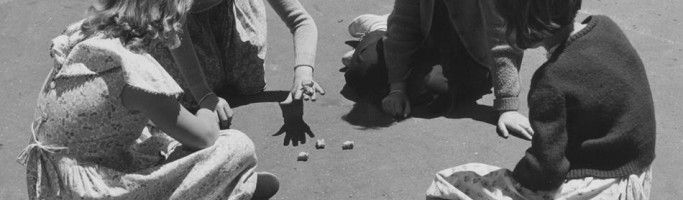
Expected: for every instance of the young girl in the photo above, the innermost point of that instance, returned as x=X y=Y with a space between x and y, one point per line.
x=590 y=106
x=452 y=49
x=224 y=50
x=98 y=98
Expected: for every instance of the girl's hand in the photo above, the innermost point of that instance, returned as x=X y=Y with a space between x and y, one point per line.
x=221 y=108
x=396 y=104
x=516 y=123
x=304 y=86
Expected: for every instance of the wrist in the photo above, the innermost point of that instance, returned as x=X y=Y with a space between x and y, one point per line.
x=303 y=70
x=207 y=95
x=199 y=91
x=208 y=101
x=501 y=112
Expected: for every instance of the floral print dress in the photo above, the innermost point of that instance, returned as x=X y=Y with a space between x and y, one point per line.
x=230 y=43
x=85 y=144
x=476 y=181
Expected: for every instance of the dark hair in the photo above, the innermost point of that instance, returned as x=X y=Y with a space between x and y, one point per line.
x=138 y=23
x=532 y=21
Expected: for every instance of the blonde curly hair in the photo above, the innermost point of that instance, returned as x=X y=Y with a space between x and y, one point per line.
x=138 y=23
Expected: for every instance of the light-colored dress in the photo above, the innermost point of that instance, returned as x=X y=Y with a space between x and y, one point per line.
x=477 y=181
x=86 y=144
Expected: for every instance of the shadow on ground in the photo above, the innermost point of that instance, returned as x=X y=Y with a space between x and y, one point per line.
x=369 y=115
x=294 y=128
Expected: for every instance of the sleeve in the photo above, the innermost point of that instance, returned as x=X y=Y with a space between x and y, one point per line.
x=506 y=63
x=302 y=26
x=98 y=56
x=544 y=166
x=402 y=39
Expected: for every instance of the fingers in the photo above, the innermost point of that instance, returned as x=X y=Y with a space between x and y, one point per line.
x=406 y=109
x=313 y=97
x=391 y=108
x=316 y=89
x=520 y=132
x=396 y=106
x=229 y=114
x=309 y=89
x=319 y=89
x=396 y=109
x=529 y=130
x=222 y=118
x=502 y=130
x=298 y=92
x=386 y=106
x=281 y=131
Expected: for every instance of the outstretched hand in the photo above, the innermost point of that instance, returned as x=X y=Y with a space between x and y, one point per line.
x=304 y=87
x=512 y=122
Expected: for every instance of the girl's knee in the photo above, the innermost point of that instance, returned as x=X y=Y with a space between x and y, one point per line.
x=235 y=142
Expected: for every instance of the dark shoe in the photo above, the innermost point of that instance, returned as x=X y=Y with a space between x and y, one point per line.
x=267 y=185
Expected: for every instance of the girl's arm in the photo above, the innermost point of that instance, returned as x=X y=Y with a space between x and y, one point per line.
x=186 y=59
x=403 y=38
x=305 y=34
x=545 y=165
x=505 y=77
x=194 y=131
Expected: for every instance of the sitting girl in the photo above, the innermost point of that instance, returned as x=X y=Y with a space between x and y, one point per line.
x=224 y=51
x=98 y=98
x=591 y=109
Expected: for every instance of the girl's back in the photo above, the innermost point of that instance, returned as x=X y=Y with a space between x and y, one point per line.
x=79 y=108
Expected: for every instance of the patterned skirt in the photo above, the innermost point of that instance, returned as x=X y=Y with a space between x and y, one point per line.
x=480 y=181
x=158 y=168
x=230 y=42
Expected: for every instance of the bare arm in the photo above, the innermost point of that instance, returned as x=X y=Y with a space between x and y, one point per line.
x=195 y=131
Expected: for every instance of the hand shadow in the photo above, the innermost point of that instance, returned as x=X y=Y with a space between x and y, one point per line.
x=294 y=127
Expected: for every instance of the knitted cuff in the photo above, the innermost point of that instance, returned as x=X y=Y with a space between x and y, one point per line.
x=506 y=104
x=305 y=59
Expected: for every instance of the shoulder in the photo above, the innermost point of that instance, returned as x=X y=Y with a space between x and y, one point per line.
x=98 y=55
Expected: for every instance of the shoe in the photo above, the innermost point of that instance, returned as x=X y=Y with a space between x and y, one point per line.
x=346 y=58
x=367 y=23
x=267 y=185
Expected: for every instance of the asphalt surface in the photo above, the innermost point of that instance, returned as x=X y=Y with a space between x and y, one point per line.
x=391 y=160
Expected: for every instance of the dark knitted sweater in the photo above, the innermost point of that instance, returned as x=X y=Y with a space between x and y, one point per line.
x=591 y=108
